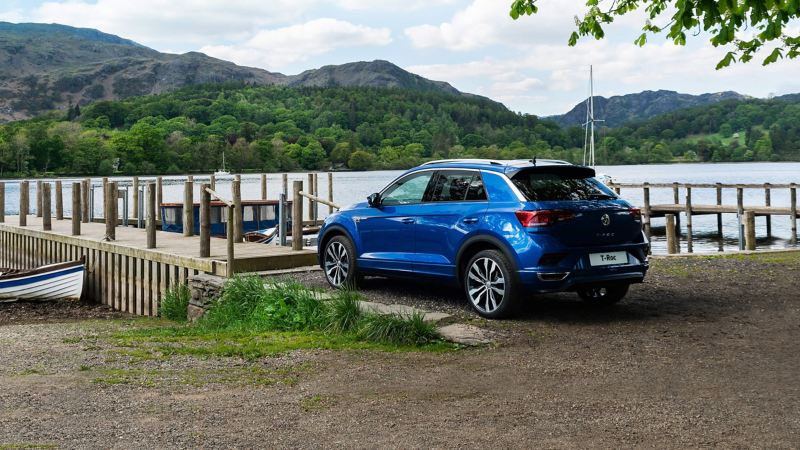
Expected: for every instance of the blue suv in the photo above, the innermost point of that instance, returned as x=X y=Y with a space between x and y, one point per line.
x=502 y=230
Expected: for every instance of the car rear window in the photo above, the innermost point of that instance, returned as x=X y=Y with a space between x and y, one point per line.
x=559 y=185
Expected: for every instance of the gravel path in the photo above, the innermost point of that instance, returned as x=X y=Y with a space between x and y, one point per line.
x=703 y=354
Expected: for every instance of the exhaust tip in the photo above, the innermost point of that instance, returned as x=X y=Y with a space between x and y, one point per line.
x=552 y=276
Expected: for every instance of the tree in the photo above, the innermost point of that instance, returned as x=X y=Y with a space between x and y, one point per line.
x=361 y=160
x=747 y=26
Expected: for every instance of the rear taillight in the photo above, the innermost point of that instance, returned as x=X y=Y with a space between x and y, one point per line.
x=636 y=213
x=543 y=218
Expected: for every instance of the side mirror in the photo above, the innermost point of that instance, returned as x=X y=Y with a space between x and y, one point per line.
x=374 y=200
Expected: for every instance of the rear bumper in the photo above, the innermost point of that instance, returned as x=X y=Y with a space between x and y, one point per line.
x=552 y=279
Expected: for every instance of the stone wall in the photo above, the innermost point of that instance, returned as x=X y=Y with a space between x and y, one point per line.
x=204 y=289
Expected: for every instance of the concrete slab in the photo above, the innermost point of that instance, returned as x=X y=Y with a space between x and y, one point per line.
x=402 y=310
x=462 y=333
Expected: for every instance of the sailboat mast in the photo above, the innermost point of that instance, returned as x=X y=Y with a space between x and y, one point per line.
x=591 y=113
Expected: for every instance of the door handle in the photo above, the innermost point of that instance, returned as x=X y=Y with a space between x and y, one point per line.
x=470 y=220
x=407 y=220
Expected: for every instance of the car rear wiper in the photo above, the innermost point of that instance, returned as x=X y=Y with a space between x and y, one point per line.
x=601 y=197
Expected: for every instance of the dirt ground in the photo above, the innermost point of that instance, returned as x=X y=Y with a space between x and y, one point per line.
x=705 y=353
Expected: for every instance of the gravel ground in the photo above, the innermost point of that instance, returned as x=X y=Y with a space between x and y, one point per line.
x=705 y=353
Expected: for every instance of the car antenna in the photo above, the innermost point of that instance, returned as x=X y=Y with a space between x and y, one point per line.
x=533 y=161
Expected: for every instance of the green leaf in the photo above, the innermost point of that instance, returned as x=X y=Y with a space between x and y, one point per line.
x=773 y=57
x=641 y=40
x=573 y=39
x=726 y=61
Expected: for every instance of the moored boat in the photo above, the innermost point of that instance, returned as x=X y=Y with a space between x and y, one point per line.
x=51 y=282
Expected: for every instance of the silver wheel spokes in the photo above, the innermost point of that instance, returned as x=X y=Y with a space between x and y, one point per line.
x=337 y=263
x=486 y=286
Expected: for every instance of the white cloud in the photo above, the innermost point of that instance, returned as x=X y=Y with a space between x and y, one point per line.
x=392 y=5
x=13 y=15
x=277 y=48
x=156 y=22
x=486 y=22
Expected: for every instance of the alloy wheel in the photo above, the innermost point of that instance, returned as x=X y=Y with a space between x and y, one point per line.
x=337 y=263
x=486 y=286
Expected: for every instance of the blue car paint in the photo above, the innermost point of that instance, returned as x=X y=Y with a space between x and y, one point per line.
x=427 y=238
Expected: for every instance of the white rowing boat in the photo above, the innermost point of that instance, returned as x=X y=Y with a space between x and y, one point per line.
x=51 y=282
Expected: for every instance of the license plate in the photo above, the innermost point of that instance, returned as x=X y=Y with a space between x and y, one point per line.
x=608 y=258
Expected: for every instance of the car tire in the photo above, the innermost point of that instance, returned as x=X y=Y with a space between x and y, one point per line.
x=339 y=263
x=490 y=284
x=603 y=295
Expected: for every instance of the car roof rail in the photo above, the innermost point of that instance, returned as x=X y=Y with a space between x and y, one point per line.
x=466 y=160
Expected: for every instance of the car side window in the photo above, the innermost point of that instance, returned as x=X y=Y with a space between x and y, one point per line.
x=407 y=190
x=457 y=186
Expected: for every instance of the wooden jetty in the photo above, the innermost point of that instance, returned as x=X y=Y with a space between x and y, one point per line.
x=745 y=213
x=129 y=268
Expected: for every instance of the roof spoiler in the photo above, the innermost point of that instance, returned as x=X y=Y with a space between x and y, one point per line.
x=570 y=171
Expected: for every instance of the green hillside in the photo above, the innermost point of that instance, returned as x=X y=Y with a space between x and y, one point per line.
x=271 y=128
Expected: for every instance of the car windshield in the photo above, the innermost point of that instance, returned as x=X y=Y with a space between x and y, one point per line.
x=559 y=185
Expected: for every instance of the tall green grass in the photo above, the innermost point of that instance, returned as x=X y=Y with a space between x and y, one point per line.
x=173 y=305
x=248 y=305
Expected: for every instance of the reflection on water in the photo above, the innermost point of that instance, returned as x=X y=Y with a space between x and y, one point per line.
x=352 y=187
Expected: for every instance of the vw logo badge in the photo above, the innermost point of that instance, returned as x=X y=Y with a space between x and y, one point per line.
x=605 y=219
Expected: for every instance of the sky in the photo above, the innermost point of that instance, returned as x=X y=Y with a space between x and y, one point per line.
x=472 y=44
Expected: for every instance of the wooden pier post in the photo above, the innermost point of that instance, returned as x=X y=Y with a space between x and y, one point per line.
x=672 y=239
x=150 y=224
x=689 y=245
x=316 y=194
x=38 y=198
x=676 y=195
x=263 y=186
x=718 y=187
x=205 y=221
x=24 y=202
x=311 y=191
x=285 y=184
x=105 y=184
x=46 y=211
x=238 y=227
x=159 y=192
x=2 y=202
x=750 y=230
x=793 y=209
x=87 y=186
x=76 y=209
x=647 y=210
x=110 y=201
x=740 y=215
x=212 y=181
x=231 y=229
x=59 y=201
x=768 y=203
x=135 y=209
x=190 y=178
x=188 y=208
x=330 y=192
x=297 y=216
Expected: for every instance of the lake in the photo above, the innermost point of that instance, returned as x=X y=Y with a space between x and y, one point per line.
x=351 y=187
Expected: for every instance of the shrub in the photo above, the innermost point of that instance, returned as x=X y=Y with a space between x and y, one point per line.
x=397 y=329
x=344 y=313
x=174 y=304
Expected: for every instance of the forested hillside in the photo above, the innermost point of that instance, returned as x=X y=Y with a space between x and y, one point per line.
x=276 y=128
x=270 y=128
x=748 y=130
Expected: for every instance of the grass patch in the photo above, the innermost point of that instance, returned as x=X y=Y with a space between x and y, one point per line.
x=174 y=304
x=246 y=376
x=316 y=403
x=252 y=320
x=396 y=329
